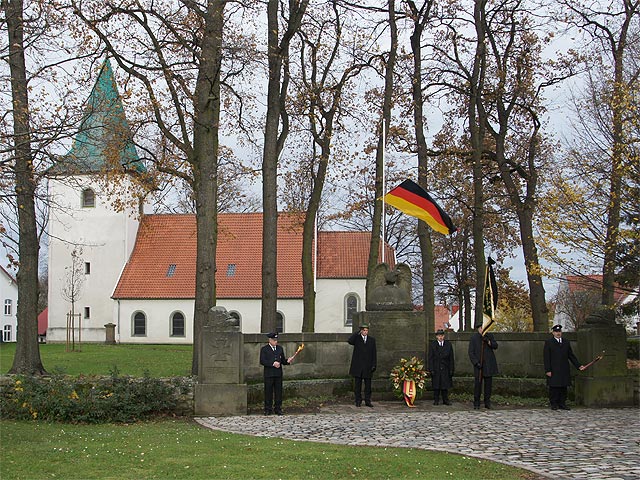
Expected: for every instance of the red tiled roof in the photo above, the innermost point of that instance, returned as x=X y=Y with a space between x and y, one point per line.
x=585 y=283
x=165 y=240
x=346 y=254
x=43 y=321
x=442 y=316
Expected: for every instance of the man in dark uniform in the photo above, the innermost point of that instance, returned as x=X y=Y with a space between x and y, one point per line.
x=363 y=363
x=272 y=358
x=557 y=355
x=441 y=366
x=484 y=364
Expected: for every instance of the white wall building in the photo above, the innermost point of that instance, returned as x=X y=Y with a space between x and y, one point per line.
x=85 y=225
x=9 y=299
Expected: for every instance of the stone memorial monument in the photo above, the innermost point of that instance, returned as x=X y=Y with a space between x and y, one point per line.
x=399 y=331
x=221 y=389
x=605 y=383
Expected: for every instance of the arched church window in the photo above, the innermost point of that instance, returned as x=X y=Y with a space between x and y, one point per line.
x=177 y=324
x=351 y=307
x=139 y=324
x=88 y=198
x=279 y=322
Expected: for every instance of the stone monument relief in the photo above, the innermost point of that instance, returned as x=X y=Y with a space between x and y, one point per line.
x=390 y=289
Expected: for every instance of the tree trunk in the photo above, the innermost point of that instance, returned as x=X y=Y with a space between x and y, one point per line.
x=384 y=128
x=464 y=268
x=476 y=118
x=27 y=357
x=278 y=53
x=539 y=309
x=615 y=186
x=205 y=169
x=310 y=227
x=424 y=232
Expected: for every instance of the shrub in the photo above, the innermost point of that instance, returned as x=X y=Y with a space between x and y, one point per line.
x=85 y=399
x=633 y=348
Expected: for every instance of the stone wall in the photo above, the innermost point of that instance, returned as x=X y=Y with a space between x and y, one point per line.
x=325 y=355
x=328 y=355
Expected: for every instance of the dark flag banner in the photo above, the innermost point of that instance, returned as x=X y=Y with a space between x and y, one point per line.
x=490 y=297
x=412 y=199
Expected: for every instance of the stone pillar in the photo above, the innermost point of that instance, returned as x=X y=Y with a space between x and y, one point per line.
x=221 y=389
x=606 y=383
x=110 y=334
x=398 y=335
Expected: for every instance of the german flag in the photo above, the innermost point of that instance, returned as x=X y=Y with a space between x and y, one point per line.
x=412 y=199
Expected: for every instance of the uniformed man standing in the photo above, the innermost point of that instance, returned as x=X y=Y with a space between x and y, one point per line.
x=441 y=366
x=363 y=363
x=557 y=355
x=272 y=358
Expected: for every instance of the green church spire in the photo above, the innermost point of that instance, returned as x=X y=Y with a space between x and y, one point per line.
x=104 y=139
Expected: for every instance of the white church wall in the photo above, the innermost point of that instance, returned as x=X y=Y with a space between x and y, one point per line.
x=158 y=313
x=105 y=239
x=250 y=312
x=330 y=303
x=8 y=306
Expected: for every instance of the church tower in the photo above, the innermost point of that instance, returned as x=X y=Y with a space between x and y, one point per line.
x=93 y=217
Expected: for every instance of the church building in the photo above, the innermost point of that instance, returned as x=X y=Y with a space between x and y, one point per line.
x=112 y=262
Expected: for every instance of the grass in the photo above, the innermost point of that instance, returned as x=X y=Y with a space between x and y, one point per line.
x=179 y=448
x=100 y=359
x=182 y=449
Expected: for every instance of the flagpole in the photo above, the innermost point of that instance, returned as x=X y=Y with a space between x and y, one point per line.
x=384 y=146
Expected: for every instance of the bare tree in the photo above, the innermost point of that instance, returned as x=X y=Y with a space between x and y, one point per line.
x=383 y=134
x=71 y=291
x=27 y=358
x=614 y=29
x=421 y=16
x=180 y=73
x=274 y=138
x=324 y=75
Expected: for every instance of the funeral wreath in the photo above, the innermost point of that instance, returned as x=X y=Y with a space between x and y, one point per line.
x=411 y=369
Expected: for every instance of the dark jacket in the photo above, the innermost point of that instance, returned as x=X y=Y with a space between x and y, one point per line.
x=481 y=351
x=441 y=365
x=268 y=356
x=556 y=360
x=364 y=358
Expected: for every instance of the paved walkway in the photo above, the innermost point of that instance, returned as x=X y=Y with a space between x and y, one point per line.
x=579 y=444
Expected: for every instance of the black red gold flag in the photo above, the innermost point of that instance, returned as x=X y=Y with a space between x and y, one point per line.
x=412 y=199
x=490 y=296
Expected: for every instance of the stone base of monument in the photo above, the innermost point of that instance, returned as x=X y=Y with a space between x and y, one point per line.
x=398 y=334
x=220 y=399
x=606 y=383
x=616 y=391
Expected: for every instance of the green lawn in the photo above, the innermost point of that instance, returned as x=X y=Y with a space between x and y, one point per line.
x=182 y=449
x=100 y=359
x=179 y=448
